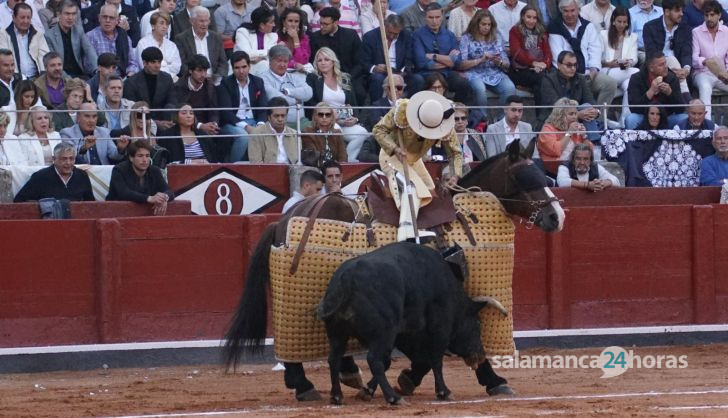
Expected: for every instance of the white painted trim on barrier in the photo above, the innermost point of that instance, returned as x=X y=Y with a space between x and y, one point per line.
x=545 y=333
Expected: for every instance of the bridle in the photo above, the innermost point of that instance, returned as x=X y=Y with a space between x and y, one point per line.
x=537 y=205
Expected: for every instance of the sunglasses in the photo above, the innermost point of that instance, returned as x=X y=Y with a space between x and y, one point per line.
x=324 y=115
x=460 y=118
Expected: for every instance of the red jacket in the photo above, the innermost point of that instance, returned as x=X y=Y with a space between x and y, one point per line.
x=520 y=55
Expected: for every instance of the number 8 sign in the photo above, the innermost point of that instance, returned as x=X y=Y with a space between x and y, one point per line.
x=223 y=197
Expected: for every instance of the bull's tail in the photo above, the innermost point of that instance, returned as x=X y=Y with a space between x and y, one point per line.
x=337 y=293
x=248 y=326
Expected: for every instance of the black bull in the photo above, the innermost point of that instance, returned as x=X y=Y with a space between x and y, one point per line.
x=510 y=176
x=404 y=295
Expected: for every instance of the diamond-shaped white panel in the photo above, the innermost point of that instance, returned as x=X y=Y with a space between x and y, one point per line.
x=226 y=194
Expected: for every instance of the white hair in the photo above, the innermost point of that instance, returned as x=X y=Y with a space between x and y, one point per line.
x=199 y=10
x=565 y=3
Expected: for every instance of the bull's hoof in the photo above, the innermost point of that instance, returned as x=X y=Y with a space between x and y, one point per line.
x=353 y=380
x=406 y=386
x=337 y=399
x=396 y=400
x=444 y=396
x=309 y=395
x=365 y=395
x=502 y=389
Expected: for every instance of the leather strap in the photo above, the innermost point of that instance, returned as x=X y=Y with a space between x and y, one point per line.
x=307 y=231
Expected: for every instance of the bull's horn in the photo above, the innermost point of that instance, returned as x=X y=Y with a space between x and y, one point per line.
x=493 y=302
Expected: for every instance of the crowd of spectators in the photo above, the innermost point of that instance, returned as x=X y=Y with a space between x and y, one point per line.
x=223 y=82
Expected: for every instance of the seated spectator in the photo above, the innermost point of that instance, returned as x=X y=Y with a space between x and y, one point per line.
x=201 y=41
x=11 y=152
x=471 y=141
x=620 y=55
x=384 y=104
x=332 y=177
x=582 y=172
x=183 y=18
x=508 y=129
x=400 y=55
x=107 y=65
x=291 y=33
x=329 y=84
x=274 y=142
x=484 y=60
x=641 y=13
x=654 y=84
x=598 y=12
x=166 y=8
x=135 y=129
x=39 y=138
x=656 y=119
x=185 y=142
x=710 y=54
x=695 y=15
x=247 y=92
x=566 y=82
x=696 y=118
x=568 y=34
x=256 y=38
x=8 y=78
x=461 y=16
x=414 y=15
x=436 y=51
x=507 y=14
x=198 y=91
x=137 y=180
x=673 y=37
x=69 y=41
x=349 y=11
x=113 y=104
x=229 y=17
x=27 y=95
x=27 y=42
x=322 y=140
x=75 y=93
x=171 y=61
x=310 y=184
x=93 y=142
x=52 y=83
x=290 y=86
x=714 y=168
x=128 y=18
x=561 y=132
x=62 y=180
x=368 y=17
x=7 y=12
x=109 y=37
x=345 y=43
x=530 y=51
x=152 y=86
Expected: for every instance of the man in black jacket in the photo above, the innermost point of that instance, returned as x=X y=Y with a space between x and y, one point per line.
x=655 y=84
x=246 y=92
x=137 y=180
x=679 y=51
x=152 y=86
x=62 y=180
x=8 y=77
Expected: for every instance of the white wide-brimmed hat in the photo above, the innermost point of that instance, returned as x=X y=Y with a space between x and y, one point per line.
x=430 y=115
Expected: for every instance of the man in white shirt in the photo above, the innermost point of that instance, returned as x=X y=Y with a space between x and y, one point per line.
x=583 y=173
x=639 y=14
x=290 y=86
x=507 y=13
x=310 y=184
x=200 y=40
x=6 y=14
x=508 y=129
x=598 y=12
x=274 y=142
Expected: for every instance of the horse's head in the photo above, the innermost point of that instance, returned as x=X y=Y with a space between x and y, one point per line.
x=520 y=186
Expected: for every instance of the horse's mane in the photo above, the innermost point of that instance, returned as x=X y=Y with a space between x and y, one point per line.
x=478 y=170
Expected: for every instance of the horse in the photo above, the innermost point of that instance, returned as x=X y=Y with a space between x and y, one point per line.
x=511 y=176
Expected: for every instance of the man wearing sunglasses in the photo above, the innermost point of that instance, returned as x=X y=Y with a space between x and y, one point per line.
x=673 y=37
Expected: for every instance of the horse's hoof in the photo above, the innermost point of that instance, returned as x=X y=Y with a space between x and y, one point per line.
x=337 y=399
x=444 y=396
x=364 y=395
x=396 y=400
x=406 y=386
x=353 y=380
x=502 y=389
x=309 y=395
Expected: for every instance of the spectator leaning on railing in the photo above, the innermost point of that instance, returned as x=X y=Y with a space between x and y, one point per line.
x=582 y=172
x=714 y=169
x=62 y=180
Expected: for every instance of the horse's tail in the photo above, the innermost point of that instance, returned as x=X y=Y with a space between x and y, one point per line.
x=248 y=327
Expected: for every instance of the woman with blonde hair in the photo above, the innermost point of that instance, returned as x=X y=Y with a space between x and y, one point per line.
x=334 y=87
x=321 y=141
x=39 y=138
x=561 y=132
x=10 y=151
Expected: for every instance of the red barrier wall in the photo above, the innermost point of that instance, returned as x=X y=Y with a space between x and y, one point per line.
x=180 y=277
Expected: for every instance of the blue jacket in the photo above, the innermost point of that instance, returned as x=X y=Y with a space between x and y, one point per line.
x=425 y=42
x=713 y=170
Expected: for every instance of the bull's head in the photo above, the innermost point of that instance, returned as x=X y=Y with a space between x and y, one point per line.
x=466 y=341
